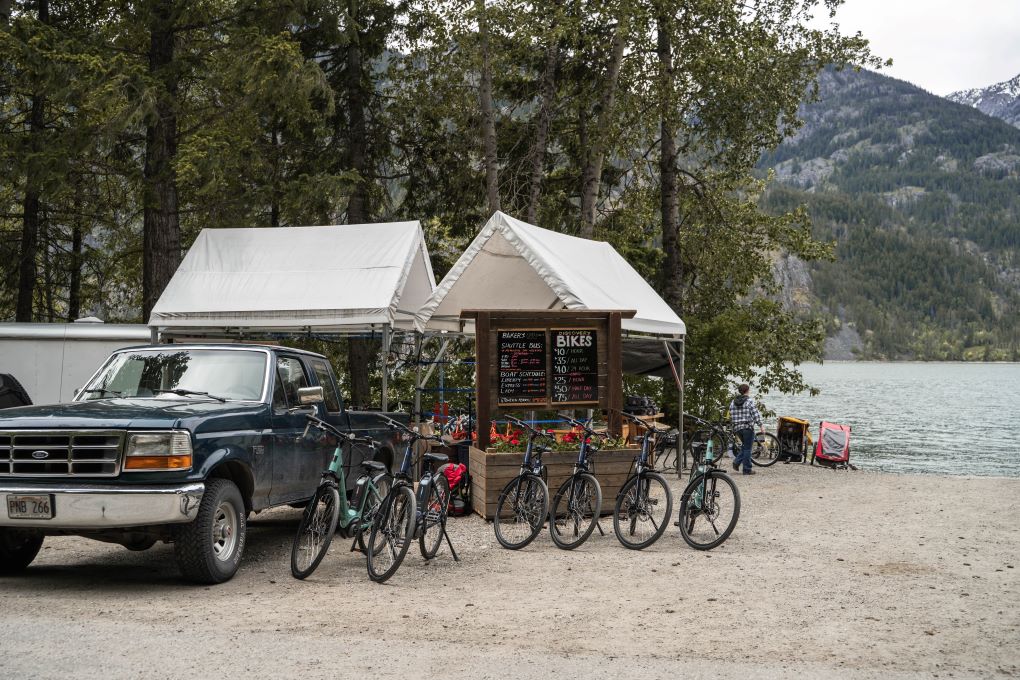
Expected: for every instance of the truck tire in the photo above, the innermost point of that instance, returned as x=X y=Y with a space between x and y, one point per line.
x=209 y=549
x=17 y=550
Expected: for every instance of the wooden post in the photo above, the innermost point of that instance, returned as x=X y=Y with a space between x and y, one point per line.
x=615 y=377
x=483 y=379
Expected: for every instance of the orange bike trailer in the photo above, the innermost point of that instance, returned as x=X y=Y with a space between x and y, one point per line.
x=794 y=439
x=833 y=447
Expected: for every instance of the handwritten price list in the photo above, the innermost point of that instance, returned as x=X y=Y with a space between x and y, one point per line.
x=523 y=378
x=575 y=367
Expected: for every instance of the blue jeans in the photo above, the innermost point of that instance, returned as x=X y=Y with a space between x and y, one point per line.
x=746 y=442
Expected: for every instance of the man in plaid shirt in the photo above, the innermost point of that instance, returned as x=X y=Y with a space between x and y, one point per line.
x=743 y=417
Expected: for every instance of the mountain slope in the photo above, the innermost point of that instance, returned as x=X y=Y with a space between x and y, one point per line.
x=1001 y=100
x=922 y=199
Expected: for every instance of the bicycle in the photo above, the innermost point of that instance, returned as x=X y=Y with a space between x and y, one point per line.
x=576 y=507
x=711 y=496
x=644 y=499
x=764 y=451
x=406 y=515
x=523 y=504
x=330 y=508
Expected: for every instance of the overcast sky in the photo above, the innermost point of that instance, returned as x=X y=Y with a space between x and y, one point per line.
x=940 y=45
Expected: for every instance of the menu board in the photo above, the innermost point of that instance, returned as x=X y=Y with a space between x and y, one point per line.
x=575 y=366
x=523 y=373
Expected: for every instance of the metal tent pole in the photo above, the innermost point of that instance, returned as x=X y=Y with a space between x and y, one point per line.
x=683 y=353
x=385 y=372
x=417 y=376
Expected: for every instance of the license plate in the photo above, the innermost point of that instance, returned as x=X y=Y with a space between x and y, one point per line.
x=30 y=507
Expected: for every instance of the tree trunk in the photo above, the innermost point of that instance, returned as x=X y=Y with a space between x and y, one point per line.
x=31 y=205
x=537 y=152
x=361 y=353
x=591 y=176
x=669 y=204
x=161 y=229
x=274 y=207
x=491 y=160
x=47 y=262
x=74 y=285
x=5 y=12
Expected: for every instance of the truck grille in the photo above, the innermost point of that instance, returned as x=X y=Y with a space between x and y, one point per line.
x=60 y=453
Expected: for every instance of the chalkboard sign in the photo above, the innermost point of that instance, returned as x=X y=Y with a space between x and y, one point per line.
x=575 y=366
x=523 y=372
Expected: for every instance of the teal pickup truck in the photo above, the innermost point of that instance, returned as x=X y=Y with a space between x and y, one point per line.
x=174 y=443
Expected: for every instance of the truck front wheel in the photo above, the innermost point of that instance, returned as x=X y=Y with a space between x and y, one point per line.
x=209 y=549
x=17 y=549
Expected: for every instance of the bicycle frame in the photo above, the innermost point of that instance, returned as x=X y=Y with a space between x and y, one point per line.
x=641 y=460
x=363 y=487
x=582 y=464
x=709 y=462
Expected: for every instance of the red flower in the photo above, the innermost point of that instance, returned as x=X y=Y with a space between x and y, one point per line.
x=515 y=441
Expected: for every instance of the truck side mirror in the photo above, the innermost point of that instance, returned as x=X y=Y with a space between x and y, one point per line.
x=310 y=395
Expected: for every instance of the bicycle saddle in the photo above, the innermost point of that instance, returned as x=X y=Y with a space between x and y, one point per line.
x=436 y=457
x=373 y=465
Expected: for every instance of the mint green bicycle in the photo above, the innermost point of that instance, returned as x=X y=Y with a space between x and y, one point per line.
x=329 y=511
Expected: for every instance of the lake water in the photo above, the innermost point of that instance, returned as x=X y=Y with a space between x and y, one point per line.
x=941 y=418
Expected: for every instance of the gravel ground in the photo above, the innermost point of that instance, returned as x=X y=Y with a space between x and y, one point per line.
x=828 y=574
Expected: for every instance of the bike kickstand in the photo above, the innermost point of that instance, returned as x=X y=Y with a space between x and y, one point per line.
x=354 y=545
x=450 y=543
x=598 y=525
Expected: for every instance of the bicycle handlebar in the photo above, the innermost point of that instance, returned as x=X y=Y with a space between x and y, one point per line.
x=584 y=426
x=534 y=432
x=637 y=421
x=340 y=434
x=394 y=425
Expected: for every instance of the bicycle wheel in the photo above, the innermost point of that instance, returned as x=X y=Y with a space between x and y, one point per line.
x=433 y=517
x=392 y=533
x=575 y=511
x=383 y=483
x=315 y=533
x=643 y=508
x=521 y=510
x=709 y=509
x=766 y=450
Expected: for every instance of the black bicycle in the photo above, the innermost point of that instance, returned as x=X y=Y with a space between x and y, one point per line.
x=644 y=503
x=576 y=507
x=405 y=515
x=523 y=504
x=710 y=505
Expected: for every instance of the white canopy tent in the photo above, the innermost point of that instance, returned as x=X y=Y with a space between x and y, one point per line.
x=330 y=279
x=349 y=279
x=515 y=265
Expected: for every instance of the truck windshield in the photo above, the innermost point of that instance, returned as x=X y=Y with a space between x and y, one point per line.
x=181 y=374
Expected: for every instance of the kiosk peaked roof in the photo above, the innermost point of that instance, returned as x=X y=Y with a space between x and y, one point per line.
x=330 y=278
x=515 y=265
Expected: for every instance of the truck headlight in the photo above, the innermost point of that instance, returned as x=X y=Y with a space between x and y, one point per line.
x=158 y=451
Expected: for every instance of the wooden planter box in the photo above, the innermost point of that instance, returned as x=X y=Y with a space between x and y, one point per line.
x=490 y=472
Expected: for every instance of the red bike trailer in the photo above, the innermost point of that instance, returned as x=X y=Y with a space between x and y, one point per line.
x=833 y=446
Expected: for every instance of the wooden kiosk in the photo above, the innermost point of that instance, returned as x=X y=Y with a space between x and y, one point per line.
x=530 y=360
